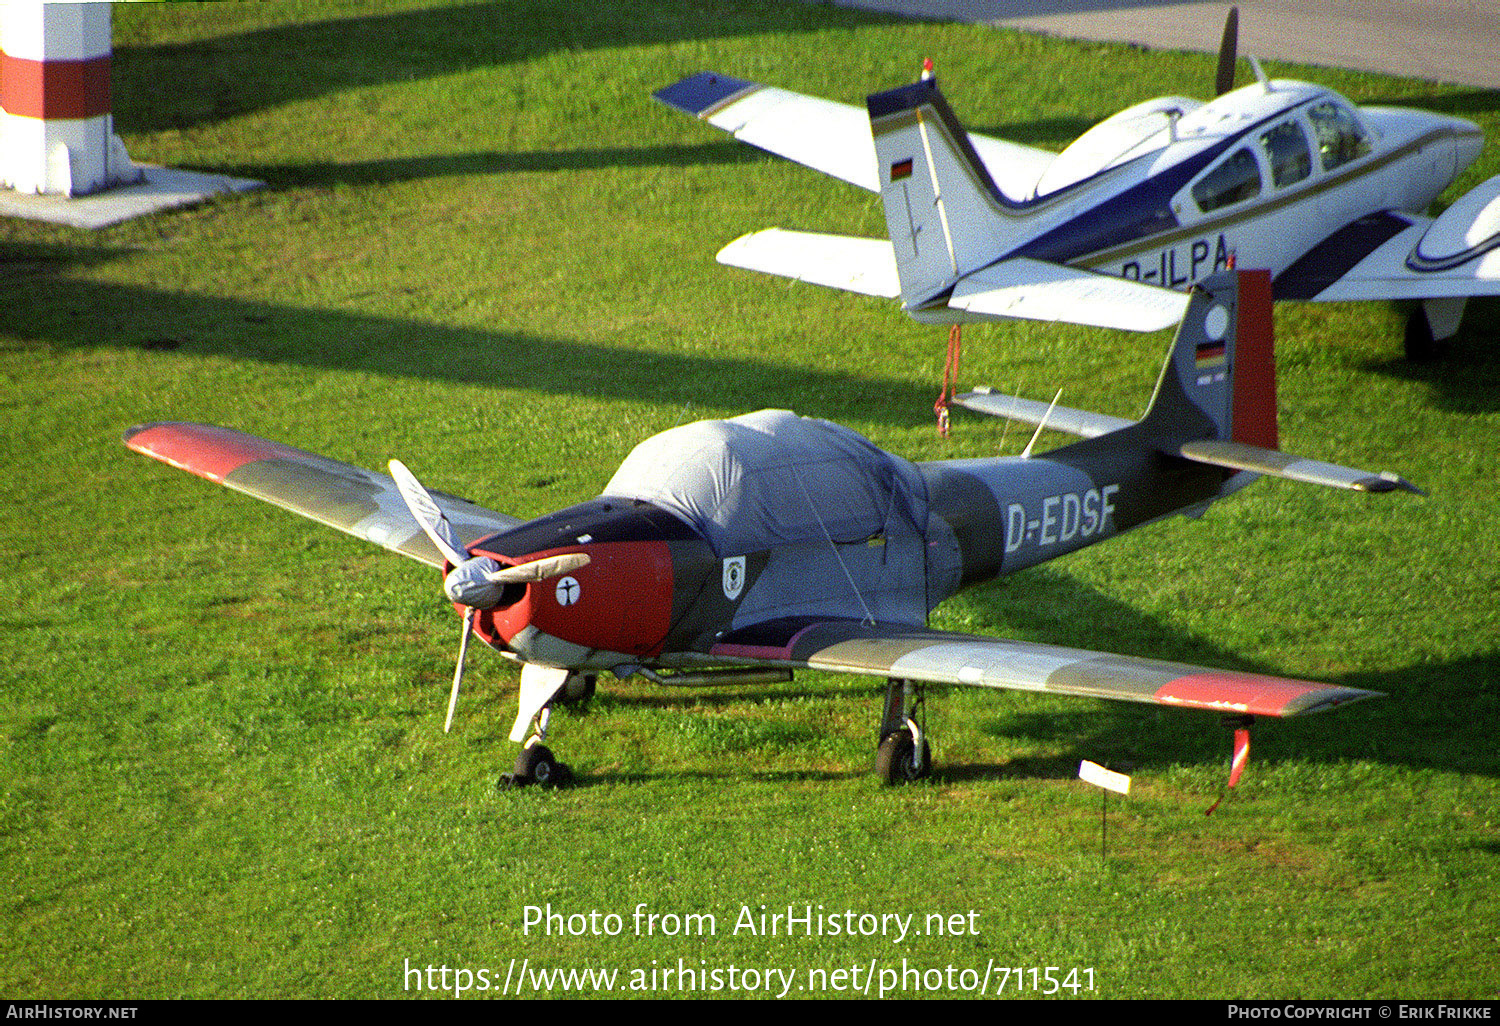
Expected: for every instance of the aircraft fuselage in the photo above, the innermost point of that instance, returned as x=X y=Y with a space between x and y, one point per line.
x=1255 y=175
x=655 y=587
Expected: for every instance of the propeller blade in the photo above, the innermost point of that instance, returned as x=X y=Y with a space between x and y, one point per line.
x=458 y=671
x=427 y=514
x=539 y=569
x=1228 y=50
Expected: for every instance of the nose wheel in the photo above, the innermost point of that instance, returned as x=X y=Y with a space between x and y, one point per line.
x=537 y=765
x=904 y=754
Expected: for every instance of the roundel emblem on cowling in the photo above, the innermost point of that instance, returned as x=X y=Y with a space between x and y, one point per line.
x=567 y=591
x=734 y=577
x=1216 y=323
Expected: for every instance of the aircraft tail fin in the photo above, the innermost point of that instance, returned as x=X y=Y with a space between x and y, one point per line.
x=1216 y=400
x=945 y=215
x=1220 y=377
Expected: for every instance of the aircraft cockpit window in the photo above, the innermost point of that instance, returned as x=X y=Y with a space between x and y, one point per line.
x=1340 y=138
x=1285 y=147
x=1235 y=180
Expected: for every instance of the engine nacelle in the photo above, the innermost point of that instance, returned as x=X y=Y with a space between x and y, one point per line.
x=1469 y=228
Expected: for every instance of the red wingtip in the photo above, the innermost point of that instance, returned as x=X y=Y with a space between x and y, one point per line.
x=210 y=452
x=926 y=68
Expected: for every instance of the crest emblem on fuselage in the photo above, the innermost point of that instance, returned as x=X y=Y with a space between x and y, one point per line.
x=734 y=577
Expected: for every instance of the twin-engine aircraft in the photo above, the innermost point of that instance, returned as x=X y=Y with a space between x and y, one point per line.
x=1282 y=174
x=744 y=549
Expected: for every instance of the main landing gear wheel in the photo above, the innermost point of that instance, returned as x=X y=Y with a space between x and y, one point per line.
x=1420 y=345
x=901 y=725
x=893 y=760
x=537 y=765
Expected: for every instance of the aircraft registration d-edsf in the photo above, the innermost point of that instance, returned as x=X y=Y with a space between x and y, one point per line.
x=1329 y=196
x=748 y=548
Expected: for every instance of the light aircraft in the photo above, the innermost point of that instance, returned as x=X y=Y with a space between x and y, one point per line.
x=1288 y=176
x=744 y=549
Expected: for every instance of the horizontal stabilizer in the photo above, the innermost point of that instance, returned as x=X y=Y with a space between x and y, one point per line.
x=1040 y=291
x=1029 y=411
x=866 y=266
x=1274 y=463
x=825 y=135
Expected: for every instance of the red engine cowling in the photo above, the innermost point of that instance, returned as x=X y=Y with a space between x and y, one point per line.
x=620 y=602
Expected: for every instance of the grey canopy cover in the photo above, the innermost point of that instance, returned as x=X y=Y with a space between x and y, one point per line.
x=842 y=519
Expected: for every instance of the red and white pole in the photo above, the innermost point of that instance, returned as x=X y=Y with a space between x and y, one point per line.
x=56 y=126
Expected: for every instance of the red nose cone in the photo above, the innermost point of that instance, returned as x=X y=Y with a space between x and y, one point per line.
x=620 y=602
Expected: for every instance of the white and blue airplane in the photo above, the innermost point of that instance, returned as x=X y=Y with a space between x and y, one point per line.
x=1278 y=174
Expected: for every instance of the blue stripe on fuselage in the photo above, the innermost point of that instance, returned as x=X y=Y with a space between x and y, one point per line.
x=1143 y=210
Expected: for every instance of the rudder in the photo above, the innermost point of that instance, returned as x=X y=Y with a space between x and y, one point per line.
x=1220 y=377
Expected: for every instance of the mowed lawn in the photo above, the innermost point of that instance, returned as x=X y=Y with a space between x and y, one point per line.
x=484 y=249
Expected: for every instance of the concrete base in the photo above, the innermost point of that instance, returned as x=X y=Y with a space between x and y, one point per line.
x=163 y=189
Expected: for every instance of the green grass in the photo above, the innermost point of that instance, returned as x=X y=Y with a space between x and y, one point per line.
x=482 y=248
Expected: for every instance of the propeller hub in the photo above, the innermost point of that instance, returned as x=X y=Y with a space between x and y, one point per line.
x=470 y=584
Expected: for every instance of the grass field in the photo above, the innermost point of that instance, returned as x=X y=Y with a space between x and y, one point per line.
x=484 y=249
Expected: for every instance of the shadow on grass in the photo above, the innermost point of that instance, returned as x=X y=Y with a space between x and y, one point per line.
x=600 y=778
x=71 y=314
x=178 y=86
x=1047 y=133
x=1054 y=134
x=1434 y=716
x=386 y=171
x=1466 y=379
x=181 y=86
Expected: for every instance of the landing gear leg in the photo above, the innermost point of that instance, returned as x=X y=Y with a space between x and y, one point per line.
x=1431 y=327
x=541 y=687
x=904 y=753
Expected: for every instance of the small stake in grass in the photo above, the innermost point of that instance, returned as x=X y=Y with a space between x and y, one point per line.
x=1106 y=781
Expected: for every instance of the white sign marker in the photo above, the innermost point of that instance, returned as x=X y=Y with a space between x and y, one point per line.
x=1093 y=773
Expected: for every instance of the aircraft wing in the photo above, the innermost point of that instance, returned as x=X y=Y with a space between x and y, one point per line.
x=939 y=657
x=825 y=135
x=1393 y=255
x=351 y=499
